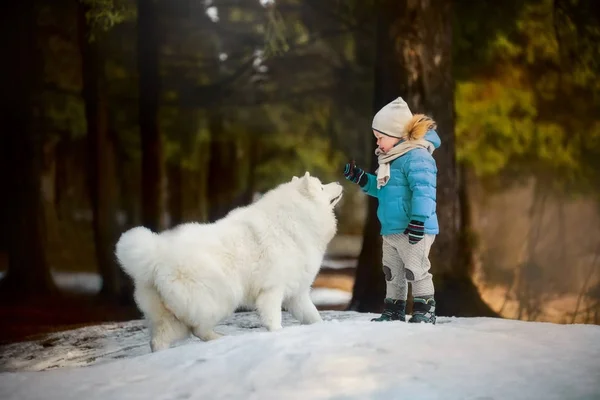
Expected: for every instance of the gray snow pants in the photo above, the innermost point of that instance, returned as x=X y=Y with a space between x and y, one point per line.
x=404 y=262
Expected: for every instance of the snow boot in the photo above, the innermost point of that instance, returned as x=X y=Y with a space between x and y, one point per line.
x=423 y=310
x=393 y=310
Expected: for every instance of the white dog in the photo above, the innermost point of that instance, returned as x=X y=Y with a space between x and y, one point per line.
x=264 y=255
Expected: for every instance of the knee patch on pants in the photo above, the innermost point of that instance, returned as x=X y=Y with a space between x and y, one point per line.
x=415 y=275
x=388 y=273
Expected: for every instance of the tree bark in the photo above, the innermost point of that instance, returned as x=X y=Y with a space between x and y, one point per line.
x=149 y=96
x=21 y=149
x=424 y=32
x=414 y=46
x=253 y=157
x=175 y=178
x=222 y=179
x=101 y=182
x=369 y=285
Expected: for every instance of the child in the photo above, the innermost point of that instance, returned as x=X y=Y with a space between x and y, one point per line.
x=405 y=186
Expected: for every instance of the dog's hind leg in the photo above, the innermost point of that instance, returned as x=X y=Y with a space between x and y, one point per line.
x=166 y=331
x=193 y=304
x=165 y=328
x=303 y=309
x=205 y=333
x=204 y=323
x=268 y=305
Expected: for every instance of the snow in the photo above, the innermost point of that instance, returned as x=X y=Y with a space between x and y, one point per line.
x=329 y=297
x=345 y=357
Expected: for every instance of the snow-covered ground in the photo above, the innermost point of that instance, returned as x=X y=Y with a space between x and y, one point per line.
x=345 y=357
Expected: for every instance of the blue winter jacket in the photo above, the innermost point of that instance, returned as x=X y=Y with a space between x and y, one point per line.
x=410 y=192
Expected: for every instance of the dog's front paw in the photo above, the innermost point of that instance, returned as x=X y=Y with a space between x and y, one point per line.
x=313 y=319
x=273 y=328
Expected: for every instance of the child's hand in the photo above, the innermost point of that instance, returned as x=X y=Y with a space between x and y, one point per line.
x=355 y=174
x=415 y=231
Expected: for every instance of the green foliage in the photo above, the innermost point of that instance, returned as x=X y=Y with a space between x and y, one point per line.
x=476 y=24
x=64 y=114
x=61 y=110
x=60 y=70
x=288 y=141
x=105 y=14
x=185 y=133
x=294 y=157
x=299 y=105
x=523 y=106
x=276 y=41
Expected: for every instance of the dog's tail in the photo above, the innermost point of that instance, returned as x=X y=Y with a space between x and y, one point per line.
x=137 y=252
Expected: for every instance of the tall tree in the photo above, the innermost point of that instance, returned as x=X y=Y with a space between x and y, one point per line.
x=222 y=170
x=414 y=47
x=149 y=99
x=369 y=286
x=21 y=150
x=100 y=157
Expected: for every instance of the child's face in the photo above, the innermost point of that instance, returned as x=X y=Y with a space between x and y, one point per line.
x=384 y=142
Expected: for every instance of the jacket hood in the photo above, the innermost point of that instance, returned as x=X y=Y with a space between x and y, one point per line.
x=432 y=137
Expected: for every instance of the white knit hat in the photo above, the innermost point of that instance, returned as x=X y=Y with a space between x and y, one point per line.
x=392 y=119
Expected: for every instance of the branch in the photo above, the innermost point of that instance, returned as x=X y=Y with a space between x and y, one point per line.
x=585 y=283
x=206 y=95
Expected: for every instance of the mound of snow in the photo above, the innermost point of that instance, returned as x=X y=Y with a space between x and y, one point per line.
x=345 y=357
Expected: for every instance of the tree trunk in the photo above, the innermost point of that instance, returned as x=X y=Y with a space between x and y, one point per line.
x=149 y=92
x=425 y=41
x=369 y=284
x=222 y=169
x=23 y=218
x=175 y=178
x=62 y=154
x=254 y=155
x=101 y=182
x=426 y=64
x=414 y=44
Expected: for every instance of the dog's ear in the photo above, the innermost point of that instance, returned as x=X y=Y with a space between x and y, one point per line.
x=294 y=178
x=305 y=184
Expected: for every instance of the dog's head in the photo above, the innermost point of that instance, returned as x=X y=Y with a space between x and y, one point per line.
x=311 y=186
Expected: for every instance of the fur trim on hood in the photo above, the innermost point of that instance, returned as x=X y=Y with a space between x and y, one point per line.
x=418 y=126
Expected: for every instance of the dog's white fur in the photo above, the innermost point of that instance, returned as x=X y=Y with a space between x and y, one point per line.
x=264 y=256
